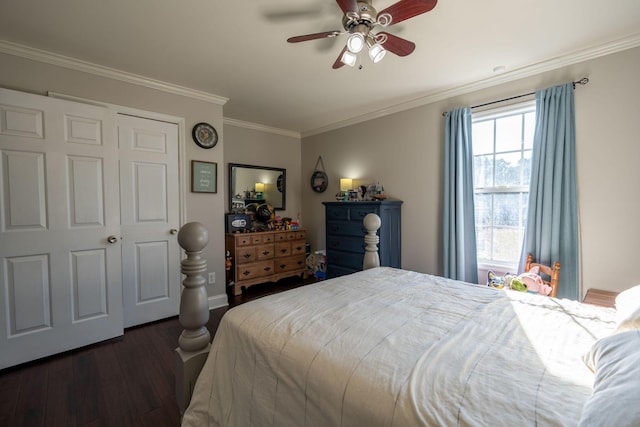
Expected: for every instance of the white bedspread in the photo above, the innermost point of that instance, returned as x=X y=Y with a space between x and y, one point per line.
x=388 y=347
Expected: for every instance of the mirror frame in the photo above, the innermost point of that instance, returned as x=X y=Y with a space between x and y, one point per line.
x=232 y=193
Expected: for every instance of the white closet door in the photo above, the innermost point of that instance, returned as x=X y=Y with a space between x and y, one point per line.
x=150 y=219
x=60 y=278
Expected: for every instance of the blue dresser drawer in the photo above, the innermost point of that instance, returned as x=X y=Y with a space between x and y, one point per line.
x=357 y=213
x=346 y=229
x=336 y=271
x=345 y=259
x=337 y=213
x=341 y=243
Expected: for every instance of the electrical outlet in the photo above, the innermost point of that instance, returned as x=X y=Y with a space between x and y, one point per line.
x=212 y=278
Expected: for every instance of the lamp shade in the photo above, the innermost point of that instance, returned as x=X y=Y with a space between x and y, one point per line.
x=355 y=42
x=346 y=184
x=377 y=52
x=349 y=58
x=259 y=187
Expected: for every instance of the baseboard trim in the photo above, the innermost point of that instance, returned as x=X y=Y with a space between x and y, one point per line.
x=217 y=301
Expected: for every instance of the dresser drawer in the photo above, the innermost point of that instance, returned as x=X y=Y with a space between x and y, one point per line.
x=357 y=213
x=350 y=244
x=246 y=254
x=345 y=259
x=336 y=271
x=265 y=251
x=292 y=235
x=255 y=269
x=243 y=240
x=289 y=263
x=283 y=249
x=346 y=229
x=297 y=247
x=337 y=213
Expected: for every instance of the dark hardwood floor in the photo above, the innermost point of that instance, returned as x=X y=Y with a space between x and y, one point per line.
x=127 y=381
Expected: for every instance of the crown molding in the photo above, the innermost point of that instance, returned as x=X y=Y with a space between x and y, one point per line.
x=262 y=128
x=111 y=73
x=527 y=71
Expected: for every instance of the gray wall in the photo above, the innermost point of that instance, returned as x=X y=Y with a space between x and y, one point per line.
x=404 y=152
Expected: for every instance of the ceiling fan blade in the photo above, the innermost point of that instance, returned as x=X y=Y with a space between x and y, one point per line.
x=339 y=62
x=405 y=9
x=398 y=45
x=315 y=36
x=348 y=6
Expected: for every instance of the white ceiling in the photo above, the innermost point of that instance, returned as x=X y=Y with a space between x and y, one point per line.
x=237 y=49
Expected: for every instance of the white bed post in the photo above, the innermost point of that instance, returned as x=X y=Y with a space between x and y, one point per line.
x=195 y=341
x=371 y=258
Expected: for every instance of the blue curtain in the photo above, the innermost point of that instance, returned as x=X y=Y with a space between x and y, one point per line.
x=459 y=231
x=551 y=232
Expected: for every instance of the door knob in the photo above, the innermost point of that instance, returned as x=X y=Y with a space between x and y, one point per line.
x=173 y=231
x=112 y=239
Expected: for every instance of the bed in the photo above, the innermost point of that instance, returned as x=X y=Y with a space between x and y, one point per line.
x=390 y=347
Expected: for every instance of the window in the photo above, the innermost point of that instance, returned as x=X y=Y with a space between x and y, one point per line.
x=502 y=146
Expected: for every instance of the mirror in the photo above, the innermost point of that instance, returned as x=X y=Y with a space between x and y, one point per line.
x=256 y=184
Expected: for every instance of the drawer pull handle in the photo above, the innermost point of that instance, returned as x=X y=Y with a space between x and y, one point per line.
x=298 y=248
x=247 y=255
x=283 y=250
x=265 y=253
x=246 y=272
x=283 y=265
x=267 y=268
x=299 y=262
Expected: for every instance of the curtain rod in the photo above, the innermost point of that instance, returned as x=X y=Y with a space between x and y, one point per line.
x=582 y=81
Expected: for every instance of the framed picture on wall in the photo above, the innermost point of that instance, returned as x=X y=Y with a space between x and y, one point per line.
x=204 y=177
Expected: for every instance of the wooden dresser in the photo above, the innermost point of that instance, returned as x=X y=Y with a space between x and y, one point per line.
x=345 y=234
x=265 y=256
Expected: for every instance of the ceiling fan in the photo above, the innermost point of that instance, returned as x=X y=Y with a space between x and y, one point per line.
x=359 y=20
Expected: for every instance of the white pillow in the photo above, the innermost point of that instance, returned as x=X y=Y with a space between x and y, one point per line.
x=616 y=390
x=628 y=309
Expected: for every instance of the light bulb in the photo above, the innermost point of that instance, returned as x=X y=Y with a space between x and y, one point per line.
x=355 y=42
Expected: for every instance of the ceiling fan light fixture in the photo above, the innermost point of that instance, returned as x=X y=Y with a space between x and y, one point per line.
x=377 y=52
x=355 y=42
x=349 y=58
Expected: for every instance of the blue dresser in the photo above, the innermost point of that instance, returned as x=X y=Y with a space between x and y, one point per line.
x=345 y=234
